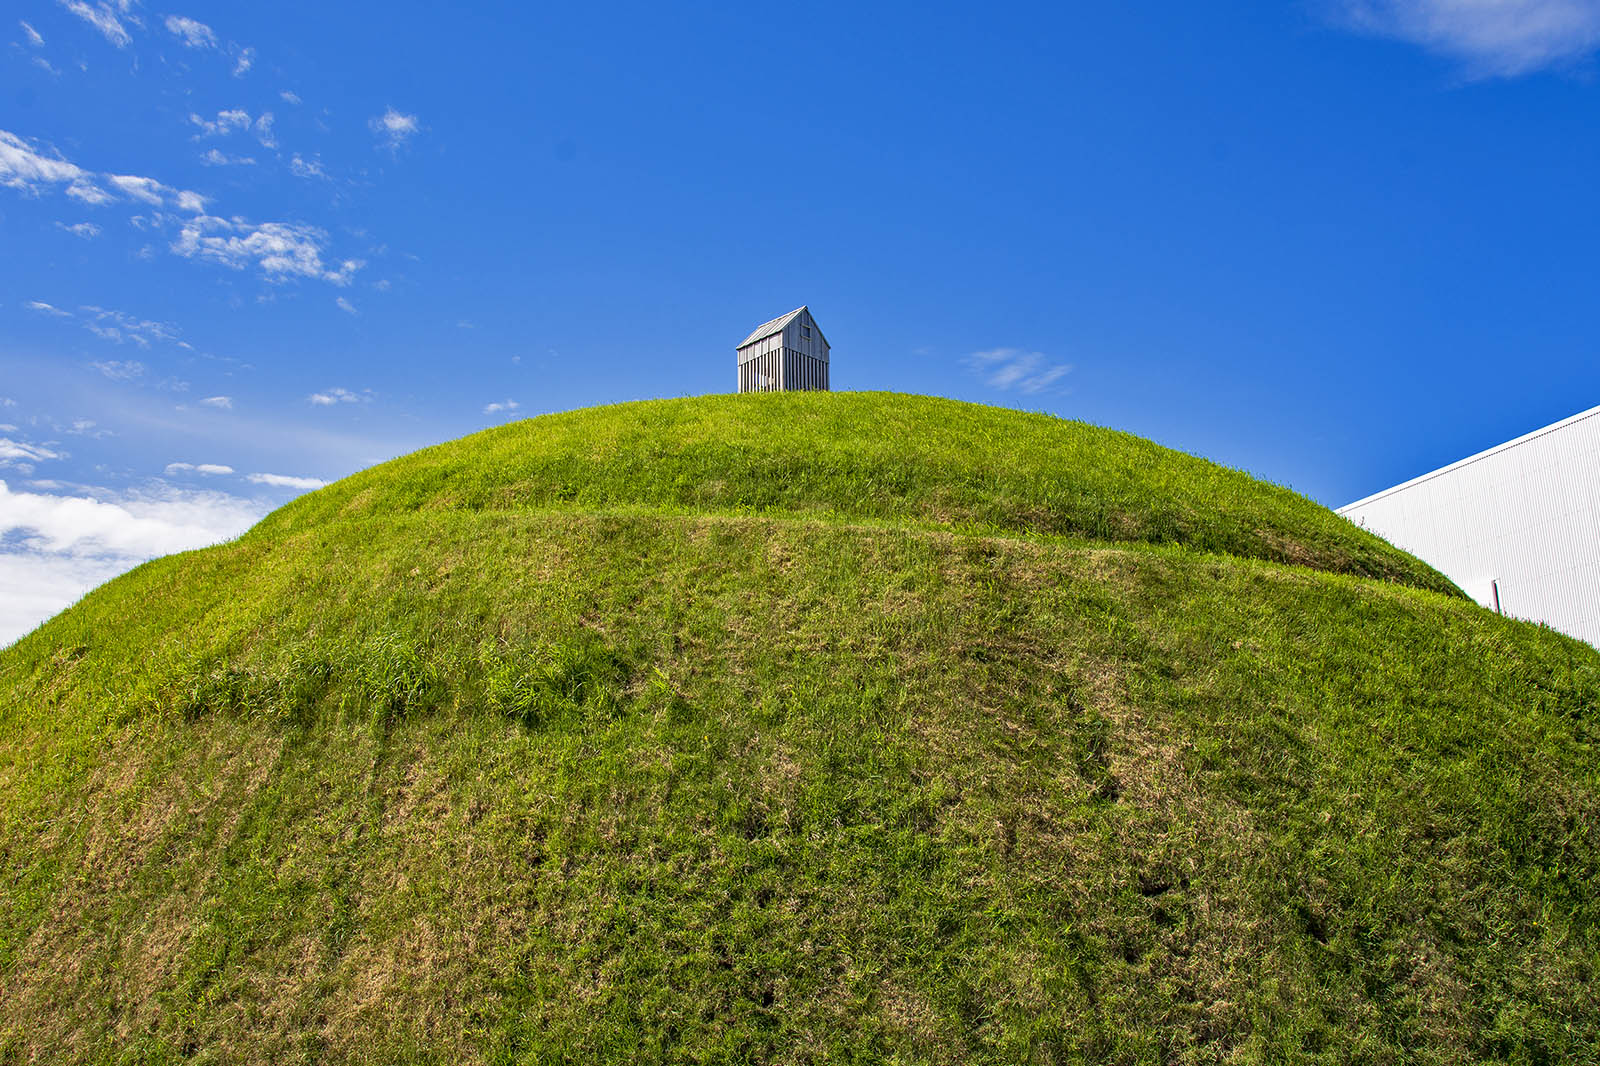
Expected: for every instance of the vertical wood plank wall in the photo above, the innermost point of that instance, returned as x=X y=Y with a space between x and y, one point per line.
x=786 y=360
x=782 y=370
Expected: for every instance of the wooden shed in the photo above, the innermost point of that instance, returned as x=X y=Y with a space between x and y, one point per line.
x=788 y=353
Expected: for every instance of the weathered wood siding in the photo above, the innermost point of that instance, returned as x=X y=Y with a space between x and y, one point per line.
x=793 y=358
x=761 y=365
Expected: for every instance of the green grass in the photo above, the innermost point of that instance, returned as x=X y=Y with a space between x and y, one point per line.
x=874 y=457
x=797 y=728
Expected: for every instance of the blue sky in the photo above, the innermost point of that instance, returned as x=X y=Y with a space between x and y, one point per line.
x=249 y=249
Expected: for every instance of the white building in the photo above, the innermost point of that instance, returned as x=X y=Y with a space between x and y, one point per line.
x=1517 y=527
x=787 y=353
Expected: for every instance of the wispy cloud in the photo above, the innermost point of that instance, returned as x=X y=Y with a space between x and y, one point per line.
x=330 y=397
x=243 y=62
x=221 y=403
x=120 y=370
x=25 y=167
x=193 y=34
x=1013 y=368
x=93 y=195
x=281 y=250
x=500 y=406
x=86 y=230
x=346 y=306
x=146 y=190
x=116 y=326
x=225 y=123
x=33 y=35
x=22 y=454
x=236 y=120
x=105 y=17
x=215 y=158
x=285 y=481
x=289 y=97
x=1490 y=38
x=394 y=128
x=206 y=469
x=302 y=168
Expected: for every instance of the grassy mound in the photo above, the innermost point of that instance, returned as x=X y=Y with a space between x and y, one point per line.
x=878 y=458
x=797 y=728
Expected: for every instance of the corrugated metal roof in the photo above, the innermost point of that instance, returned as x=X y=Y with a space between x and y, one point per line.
x=767 y=329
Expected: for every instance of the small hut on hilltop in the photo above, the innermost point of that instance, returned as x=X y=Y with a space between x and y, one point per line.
x=789 y=353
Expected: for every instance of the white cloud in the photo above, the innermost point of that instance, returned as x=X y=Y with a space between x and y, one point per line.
x=59 y=547
x=221 y=403
x=33 y=35
x=300 y=168
x=148 y=190
x=290 y=97
x=334 y=396
x=141 y=524
x=1013 y=368
x=225 y=123
x=280 y=249
x=154 y=193
x=503 y=405
x=103 y=18
x=193 y=34
x=209 y=469
x=119 y=326
x=1492 y=38
x=38 y=586
x=118 y=370
x=86 y=230
x=214 y=158
x=285 y=481
x=89 y=193
x=235 y=120
x=394 y=127
x=346 y=306
x=22 y=166
x=18 y=453
x=247 y=59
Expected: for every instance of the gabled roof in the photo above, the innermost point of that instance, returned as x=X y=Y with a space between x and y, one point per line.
x=767 y=329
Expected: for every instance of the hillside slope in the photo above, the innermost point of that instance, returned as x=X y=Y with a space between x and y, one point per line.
x=797 y=728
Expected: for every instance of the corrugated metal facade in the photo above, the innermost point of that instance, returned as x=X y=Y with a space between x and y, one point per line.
x=788 y=353
x=1519 y=522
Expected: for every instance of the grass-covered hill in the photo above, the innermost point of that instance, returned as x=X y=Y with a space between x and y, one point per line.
x=797 y=728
